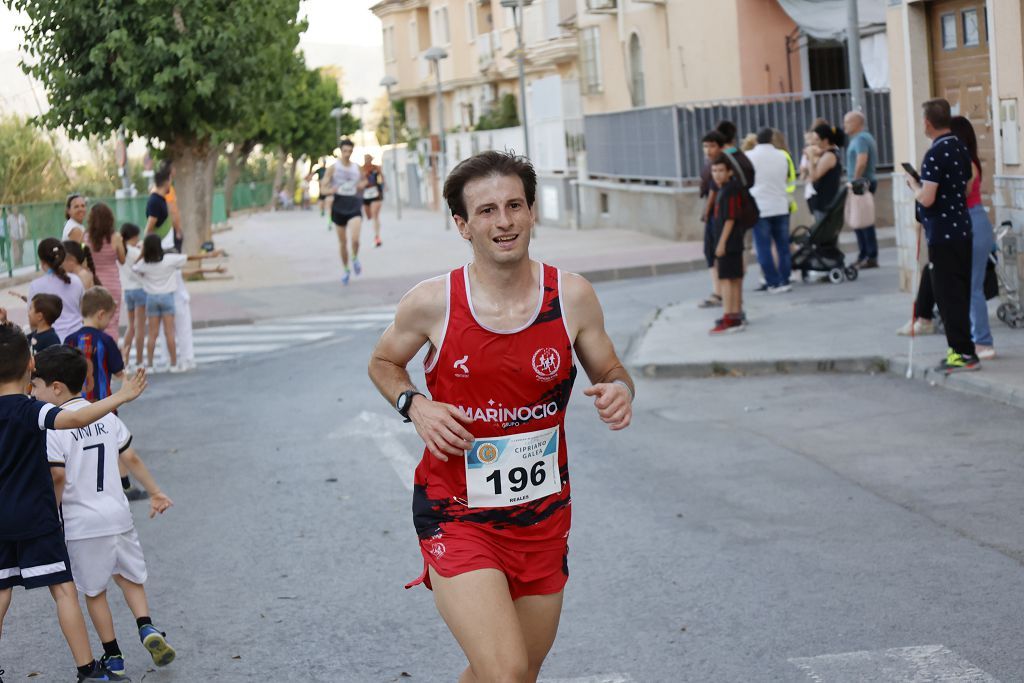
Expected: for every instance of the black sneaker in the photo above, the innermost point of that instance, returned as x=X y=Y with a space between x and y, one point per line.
x=101 y=673
x=133 y=494
x=763 y=288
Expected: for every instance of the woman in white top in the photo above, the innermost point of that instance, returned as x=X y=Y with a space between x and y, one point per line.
x=61 y=283
x=74 y=211
x=158 y=272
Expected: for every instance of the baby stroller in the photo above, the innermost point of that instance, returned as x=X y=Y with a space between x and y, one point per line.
x=818 y=252
x=1010 y=310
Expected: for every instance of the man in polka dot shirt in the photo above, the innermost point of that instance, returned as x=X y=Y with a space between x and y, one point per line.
x=942 y=210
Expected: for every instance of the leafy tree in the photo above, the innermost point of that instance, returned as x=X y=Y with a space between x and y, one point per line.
x=383 y=129
x=31 y=167
x=183 y=72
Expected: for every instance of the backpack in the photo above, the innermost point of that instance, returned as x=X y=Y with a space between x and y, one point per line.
x=749 y=213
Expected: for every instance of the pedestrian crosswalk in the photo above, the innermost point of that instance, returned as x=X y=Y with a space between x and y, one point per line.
x=218 y=344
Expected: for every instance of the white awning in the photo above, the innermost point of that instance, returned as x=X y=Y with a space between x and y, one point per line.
x=826 y=20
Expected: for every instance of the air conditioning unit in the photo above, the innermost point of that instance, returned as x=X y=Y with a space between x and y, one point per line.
x=602 y=5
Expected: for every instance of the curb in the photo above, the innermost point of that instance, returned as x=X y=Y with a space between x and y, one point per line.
x=968 y=382
x=755 y=368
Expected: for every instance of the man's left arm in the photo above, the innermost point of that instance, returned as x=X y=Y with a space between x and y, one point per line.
x=613 y=389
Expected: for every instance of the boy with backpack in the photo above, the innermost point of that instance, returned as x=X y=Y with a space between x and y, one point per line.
x=730 y=216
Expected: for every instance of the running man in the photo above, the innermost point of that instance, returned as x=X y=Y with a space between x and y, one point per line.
x=373 y=195
x=347 y=182
x=491 y=500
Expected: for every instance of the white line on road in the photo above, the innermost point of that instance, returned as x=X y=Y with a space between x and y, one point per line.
x=383 y=429
x=896 y=665
x=601 y=678
x=261 y=336
x=237 y=348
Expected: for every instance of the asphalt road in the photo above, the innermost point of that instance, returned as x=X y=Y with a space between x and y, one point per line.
x=827 y=527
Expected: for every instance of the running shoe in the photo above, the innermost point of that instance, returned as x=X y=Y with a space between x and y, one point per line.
x=156 y=642
x=781 y=289
x=346 y=277
x=728 y=326
x=114 y=664
x=101 y=673
x=958 y=362
x=356 y=266
x=377 y=242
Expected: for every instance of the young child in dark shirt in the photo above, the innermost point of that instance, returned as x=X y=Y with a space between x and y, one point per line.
x=30 y=528
x=43 y=311
x=728 y=246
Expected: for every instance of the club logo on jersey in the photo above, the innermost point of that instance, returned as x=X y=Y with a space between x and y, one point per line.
x=546 y=362
x=461 y=367
x=487 y=453
x=437 y=549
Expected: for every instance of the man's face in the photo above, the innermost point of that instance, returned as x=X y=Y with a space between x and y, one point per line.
x=851 y=124
x=721 y=173
x=346 y=153
x=499 y=220
x=711 y=149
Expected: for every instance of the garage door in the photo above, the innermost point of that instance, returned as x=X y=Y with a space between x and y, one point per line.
x=958 y=38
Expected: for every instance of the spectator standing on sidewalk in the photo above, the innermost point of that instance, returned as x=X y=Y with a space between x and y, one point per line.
x=741 y=166
x=55 y=280
x=861 y=159
x=805 y=163
x=713 y=143
x=74 y=211
x=982 y=242
x=941 y=197
x=107 y=249
x=729 y=245
x=771 y=170
x=824 y=167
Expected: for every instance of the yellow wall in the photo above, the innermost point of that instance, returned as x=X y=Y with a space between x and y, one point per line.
x=762 y=28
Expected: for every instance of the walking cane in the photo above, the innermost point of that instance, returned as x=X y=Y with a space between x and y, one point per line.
x=913 y=307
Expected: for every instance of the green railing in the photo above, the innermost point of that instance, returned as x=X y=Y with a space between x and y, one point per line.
x=23 y=226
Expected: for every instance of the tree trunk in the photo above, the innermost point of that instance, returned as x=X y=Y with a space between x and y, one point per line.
x=237 y=157
x=282 y=156
x=291 y=177
x=195 y=162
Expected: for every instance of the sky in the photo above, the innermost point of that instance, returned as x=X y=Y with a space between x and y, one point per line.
x=341 y=32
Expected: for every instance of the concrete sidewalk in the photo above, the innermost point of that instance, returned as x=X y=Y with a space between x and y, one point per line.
x=818 y=327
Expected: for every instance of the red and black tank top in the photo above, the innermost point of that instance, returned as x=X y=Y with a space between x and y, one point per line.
x=511 y=382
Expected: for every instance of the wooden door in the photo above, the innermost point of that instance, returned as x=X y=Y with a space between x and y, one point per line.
x=958 y=40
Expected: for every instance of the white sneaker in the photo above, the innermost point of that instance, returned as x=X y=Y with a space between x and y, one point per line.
x=781 y=289
x=921 y=327
x=175 y=369
x=150 y=370
x=160 y=369
x=985 y=352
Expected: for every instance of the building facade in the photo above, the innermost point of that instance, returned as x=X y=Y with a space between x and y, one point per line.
x=969 y=52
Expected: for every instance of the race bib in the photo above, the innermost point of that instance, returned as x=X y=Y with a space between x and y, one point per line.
x=371 y=193
x=347 y=187
x=508 y=470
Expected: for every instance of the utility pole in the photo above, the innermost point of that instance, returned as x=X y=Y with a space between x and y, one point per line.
x=853 y=56
x=388 y=82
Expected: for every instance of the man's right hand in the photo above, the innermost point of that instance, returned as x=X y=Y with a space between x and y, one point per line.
x=440 y=425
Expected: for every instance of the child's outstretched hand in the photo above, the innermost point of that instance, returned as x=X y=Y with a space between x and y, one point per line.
x=158 y=503
x=133 y=386
x=3 y=316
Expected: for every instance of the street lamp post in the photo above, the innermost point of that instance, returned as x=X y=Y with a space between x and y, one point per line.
x=389 y=82
x=359 y=102
x=435 y=55
x=336 y=114
x=517 y=7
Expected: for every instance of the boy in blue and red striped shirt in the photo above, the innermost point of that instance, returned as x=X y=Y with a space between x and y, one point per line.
x=100 y=349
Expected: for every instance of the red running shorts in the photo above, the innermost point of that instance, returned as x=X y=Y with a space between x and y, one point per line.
x=462 y=547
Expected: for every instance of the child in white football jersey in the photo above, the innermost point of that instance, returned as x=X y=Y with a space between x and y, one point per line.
x=101 y=538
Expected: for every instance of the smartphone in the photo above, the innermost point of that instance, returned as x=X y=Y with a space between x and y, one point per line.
x=911 y=171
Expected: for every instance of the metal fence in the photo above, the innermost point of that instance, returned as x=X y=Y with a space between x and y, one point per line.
x=23 y=226
x=663 y=143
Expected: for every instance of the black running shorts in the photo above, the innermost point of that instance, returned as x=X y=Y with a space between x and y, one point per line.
x=35 y=562
x=345 y=208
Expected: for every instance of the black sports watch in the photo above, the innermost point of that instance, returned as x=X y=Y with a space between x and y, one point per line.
x=404 y=402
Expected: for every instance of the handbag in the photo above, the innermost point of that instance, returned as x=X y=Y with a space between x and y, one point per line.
x=991 y=283
x=859 y=211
